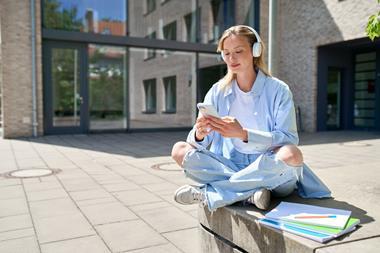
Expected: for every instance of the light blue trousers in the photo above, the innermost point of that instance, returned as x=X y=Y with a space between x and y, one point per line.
x=230 y=180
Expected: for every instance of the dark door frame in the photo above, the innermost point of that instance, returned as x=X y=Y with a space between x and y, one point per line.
x=48 y=91
x=341 y=55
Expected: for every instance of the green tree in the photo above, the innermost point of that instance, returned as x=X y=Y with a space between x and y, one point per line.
x=373 y=25
x=65 y=19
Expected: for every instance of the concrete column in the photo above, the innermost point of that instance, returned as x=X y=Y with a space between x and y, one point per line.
x=272 y=38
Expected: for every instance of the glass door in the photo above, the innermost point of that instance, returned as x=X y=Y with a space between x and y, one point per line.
x=365 y=90
x=65 y=88
x=333 y=113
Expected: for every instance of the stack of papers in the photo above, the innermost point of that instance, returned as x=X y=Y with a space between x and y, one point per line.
x=314 y=222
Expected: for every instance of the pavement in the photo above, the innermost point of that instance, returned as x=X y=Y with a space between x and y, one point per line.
x=114 y=192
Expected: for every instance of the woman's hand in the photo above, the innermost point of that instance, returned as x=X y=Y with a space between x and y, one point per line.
x=228 y=127
x=203 y=128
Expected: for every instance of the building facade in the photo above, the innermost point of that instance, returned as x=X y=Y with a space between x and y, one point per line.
x=129 y=65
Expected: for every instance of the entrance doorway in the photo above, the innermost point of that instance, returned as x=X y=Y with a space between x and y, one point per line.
x=84 y=88
x=65 y=93
x=349 y=86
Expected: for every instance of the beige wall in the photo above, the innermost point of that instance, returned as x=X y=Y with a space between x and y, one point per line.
x=302 y=27
x=16 y=68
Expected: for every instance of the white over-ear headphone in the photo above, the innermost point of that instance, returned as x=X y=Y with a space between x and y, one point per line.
x=256 y=47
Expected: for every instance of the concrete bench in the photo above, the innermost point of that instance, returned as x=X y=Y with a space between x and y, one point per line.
x=234 y=229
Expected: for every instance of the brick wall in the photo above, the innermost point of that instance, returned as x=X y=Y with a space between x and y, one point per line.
x=305 y=25
x=16 y=68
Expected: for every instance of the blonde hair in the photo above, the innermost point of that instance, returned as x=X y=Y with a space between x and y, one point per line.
x=241 y=30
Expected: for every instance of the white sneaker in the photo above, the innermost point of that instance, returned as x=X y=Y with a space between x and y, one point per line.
x=261 y=199
x=189 y=194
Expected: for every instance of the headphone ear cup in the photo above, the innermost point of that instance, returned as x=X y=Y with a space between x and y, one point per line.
x=256 y=49
x=222 y=55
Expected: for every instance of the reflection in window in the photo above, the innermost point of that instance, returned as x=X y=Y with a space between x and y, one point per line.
x=215 y=16
x=170 y=94
x=216 y=25
x=170 y=31
x=333 y=99
x=365 y=90
x=190 y=26
x=86 y=16
x=245 y=12
x=157 y=86
x=107 y=87
x=66 y=84
x=211 y=70
x=150 y=6
x=150 y=53
x=140 y=24
x=150 y=95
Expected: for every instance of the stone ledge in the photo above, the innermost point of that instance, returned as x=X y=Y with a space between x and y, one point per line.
x=237 y=225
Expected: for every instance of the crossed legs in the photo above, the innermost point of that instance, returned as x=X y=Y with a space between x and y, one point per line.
x=289 y=154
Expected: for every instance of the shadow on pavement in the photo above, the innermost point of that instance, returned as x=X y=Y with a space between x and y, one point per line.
x=153 y=144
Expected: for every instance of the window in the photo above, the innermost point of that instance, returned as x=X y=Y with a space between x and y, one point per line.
x=150 y=95
x=150 y=6
x=333 y=98
x=166 y=12
x=170 y=94
x=190 y=27
x=170 y=31
x=217 y=15
x=150 y=53
x=86 y=16
x=365 y=95
x=107 y=86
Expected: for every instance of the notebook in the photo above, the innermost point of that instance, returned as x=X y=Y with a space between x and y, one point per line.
x=316 y=234
x=310 y=214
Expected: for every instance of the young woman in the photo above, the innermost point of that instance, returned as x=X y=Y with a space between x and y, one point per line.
x=253 y=150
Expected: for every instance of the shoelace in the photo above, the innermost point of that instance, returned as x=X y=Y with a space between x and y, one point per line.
x=199 y=196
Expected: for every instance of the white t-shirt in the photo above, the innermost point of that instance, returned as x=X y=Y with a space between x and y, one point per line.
x=242 y=109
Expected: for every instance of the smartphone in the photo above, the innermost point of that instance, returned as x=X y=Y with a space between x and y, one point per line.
x=208 y=109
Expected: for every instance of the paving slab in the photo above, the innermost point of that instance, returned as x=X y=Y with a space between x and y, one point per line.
x=53 y=208
x=167 y=248
x=90 y=244
x=10 y=207
x=16 y=222
x=107 y=213
x=89 y=202
x=167 y=219
x=130 y=235
x=65 y=227
x=17 y=234
x=136 y=197
x=11 y=192
x=98 y=193
x=47 y=194
x=20 y=245
x=124 y=185
x=187 y=240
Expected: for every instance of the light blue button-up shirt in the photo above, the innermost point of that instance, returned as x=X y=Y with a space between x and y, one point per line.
x=276 y=126
x=274 y=108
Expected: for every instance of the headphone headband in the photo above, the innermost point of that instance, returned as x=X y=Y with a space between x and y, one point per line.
x=256 y=47
x=254 y=32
